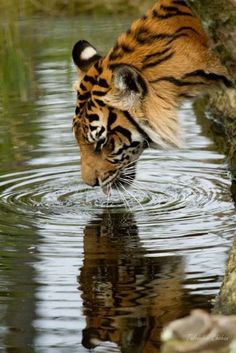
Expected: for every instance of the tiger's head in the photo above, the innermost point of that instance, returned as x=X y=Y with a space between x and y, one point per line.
x=112 y=121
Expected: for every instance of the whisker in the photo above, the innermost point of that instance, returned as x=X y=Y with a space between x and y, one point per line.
x=121 y=195
x=126 y=200
x=108 y=194
x=136 y=189
x=148 y=143
x=129 y=169
x=129 y=193
x=132 y=162
x=134 y=184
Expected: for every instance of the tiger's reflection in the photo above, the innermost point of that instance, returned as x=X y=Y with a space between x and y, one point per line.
x=127 y=296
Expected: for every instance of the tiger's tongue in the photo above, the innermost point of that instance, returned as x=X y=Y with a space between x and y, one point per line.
x=107 y=190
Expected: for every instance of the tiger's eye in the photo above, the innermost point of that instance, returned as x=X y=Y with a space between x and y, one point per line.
x=110 y=144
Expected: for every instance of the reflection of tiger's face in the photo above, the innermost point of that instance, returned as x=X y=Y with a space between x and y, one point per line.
x=128 y=99
x=127 y=295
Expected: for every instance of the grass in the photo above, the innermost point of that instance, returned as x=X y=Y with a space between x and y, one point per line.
x=16 y=65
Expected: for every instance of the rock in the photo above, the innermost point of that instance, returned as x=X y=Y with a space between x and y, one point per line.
x=200 y=333
x=219 y=19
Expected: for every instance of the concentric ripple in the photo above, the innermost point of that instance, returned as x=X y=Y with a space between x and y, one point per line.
x=170 y=193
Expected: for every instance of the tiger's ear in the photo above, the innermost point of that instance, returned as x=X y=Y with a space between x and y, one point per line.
x=128 y=87
x=84 y=55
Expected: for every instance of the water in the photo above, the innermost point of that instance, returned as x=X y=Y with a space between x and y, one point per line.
x=75 y=267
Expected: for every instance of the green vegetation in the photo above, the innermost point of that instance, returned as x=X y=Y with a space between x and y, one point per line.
x=73 y=7
x=17 y=67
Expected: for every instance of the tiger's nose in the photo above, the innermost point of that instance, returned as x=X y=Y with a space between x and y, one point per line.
x=92 y=182
x=96 y=182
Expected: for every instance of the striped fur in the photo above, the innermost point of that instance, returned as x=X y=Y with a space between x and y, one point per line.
x=128 y=99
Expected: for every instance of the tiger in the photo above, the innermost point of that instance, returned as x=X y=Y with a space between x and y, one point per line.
x=127 y=298
x=127 y=100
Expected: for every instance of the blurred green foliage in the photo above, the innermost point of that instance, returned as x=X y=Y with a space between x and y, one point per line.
x=16 y=50
x=73 y=7
x=16 y=64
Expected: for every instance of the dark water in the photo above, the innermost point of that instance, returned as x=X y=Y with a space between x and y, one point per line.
x=76 y=267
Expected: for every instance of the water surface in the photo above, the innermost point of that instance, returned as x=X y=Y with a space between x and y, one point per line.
x=75 y=267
